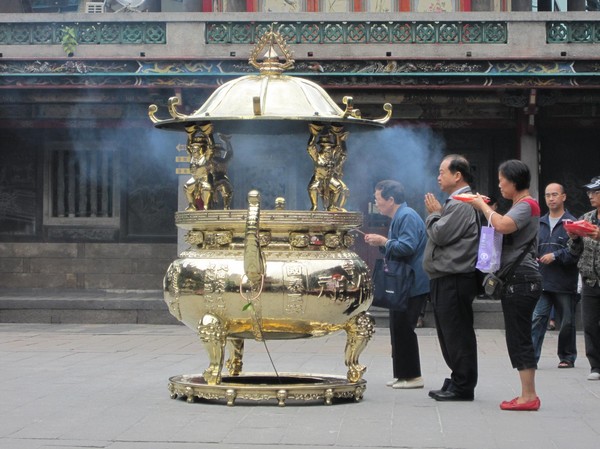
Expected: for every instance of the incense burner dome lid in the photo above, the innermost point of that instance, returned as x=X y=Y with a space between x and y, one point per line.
x=269 y=96
x=265 y=97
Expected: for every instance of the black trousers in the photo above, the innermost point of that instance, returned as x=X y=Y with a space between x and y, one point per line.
x=590 y=299
x=406 y=363
x=452 y=299
x=518 y=302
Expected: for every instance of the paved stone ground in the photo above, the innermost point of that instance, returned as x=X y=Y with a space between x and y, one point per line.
x=105 y=386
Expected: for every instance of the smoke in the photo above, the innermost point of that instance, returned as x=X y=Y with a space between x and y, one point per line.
x=278 y=165
x=110 y=160
x=275 y=165
x=151 y=181
x=408 y=155
x=274 y=161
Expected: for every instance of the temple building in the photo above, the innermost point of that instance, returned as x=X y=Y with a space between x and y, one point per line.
x=89 y=187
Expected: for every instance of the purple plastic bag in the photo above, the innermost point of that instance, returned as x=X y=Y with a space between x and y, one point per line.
x=490 y=250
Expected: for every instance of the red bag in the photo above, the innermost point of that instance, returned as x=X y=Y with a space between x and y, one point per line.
x=581 y=228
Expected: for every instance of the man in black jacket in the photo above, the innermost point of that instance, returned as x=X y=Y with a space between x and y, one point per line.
x=558 y=268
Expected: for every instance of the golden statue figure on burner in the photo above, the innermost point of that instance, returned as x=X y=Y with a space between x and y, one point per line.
x=222 y=184
x=208 y=167
x=327 y=149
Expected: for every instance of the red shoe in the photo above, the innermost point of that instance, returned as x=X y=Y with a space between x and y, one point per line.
x=530 y=406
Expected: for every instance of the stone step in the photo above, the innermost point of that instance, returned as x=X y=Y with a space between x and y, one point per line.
x=148 y=307
x=84 y=306
x=487 y=314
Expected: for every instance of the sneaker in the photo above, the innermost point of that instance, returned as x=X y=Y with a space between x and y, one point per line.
x=405 y=384
x=391 y=382
x=593 y=376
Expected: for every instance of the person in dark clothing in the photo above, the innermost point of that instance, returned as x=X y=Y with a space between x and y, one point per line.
x=558 y=268
x=450 y=258
x=520 y=270
x=405 y=242
x=587 y=247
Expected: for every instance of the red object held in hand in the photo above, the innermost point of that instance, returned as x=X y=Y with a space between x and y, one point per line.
x=468 y=197
x=581 y=228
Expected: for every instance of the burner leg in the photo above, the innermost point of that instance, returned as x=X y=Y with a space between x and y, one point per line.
x=236 y=352
x=211 y=331
x=359 y=331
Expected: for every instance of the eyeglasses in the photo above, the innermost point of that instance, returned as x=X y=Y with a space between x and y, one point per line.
x=592 y=192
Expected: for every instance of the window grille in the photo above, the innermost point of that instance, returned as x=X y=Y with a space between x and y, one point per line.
x=82 y=187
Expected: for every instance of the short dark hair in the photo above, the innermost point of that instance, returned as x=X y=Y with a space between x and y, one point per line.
x=391 y=189
x=517 y=172
x=459 y=163
x=561 y=187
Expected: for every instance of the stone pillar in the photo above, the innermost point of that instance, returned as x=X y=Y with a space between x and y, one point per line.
x=575 y=5
x=192 y=5
x=521 y=5
x=529 y=155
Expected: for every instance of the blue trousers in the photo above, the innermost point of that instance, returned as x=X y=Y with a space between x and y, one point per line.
x=565 y=305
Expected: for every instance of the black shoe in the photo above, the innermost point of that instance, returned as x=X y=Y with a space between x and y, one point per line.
x=445 y=386
x=451 y=396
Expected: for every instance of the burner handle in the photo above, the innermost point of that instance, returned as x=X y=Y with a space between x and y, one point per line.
x=254 y=264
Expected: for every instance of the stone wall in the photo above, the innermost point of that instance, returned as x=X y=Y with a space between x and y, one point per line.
x=94 y=266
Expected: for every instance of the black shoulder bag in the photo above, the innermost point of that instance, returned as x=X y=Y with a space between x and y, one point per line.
x=493 y=285
x=392 y=281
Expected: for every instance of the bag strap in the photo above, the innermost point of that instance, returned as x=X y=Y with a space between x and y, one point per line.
x=478 y=221
x=516 y=263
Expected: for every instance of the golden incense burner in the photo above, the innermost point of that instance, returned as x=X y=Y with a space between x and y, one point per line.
x=268 y=274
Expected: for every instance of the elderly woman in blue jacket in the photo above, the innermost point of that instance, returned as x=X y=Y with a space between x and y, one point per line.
x=405 y=241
